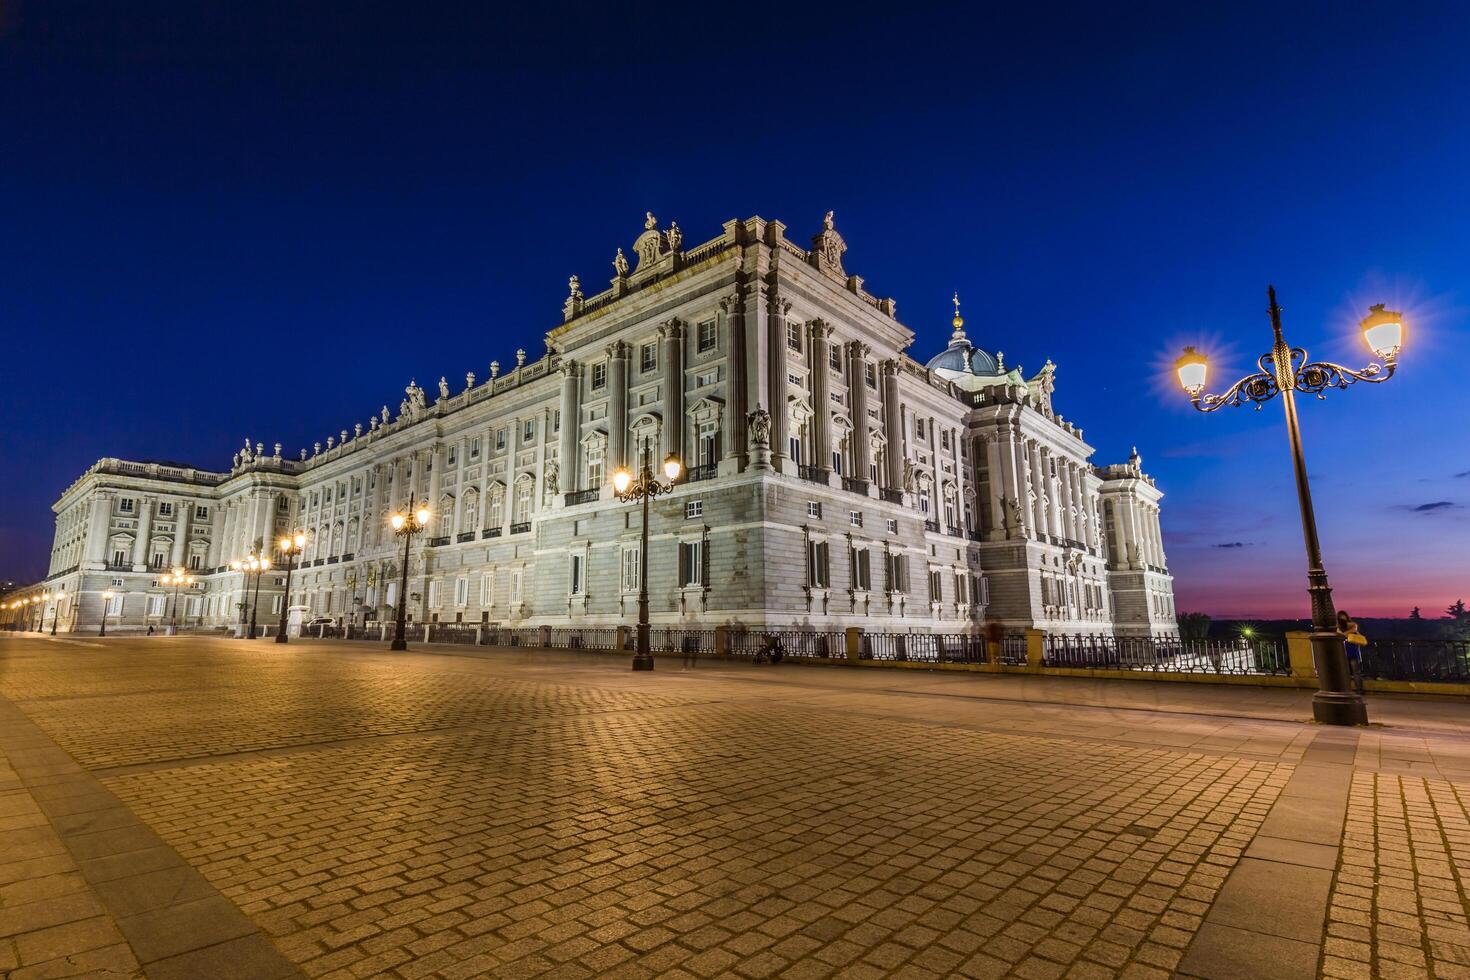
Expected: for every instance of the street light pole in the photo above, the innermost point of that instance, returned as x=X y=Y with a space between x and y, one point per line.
x=644 y=490
x=56 y=611
x=261 y=565
x=291 y=546
x=1285 y=371
x=405 y=525
x=106 y=604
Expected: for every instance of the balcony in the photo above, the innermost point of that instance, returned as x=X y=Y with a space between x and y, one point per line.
x=931 y=526
x=697 y=473
x=890 y=495
x=436 y=542
x=333 y=559
x=853 y=485
x=574 y=498
x=349 y=556
x=464 y=536
x=812 y=474
x=522 y=528
x=490 y=532
x=114 y=566
x=954 y=532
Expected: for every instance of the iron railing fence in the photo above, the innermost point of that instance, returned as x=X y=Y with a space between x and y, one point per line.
x=452 y=632
x=809 y=644
x=1446 y=661
x=1240 y=656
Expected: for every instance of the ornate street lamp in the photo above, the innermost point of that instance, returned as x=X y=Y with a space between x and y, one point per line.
x=645 y=488
x=406 y=526
x=252 y=564
x=106 y=605
x=175 y=578
x=290 y=546
x=1285 y=371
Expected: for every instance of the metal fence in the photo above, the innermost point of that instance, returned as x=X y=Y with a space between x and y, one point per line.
x=1235 y=656
x=1417 y=660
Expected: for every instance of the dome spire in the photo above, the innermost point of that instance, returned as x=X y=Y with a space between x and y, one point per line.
x=959 y=323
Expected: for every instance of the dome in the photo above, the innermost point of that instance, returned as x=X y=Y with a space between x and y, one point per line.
x=964 y=363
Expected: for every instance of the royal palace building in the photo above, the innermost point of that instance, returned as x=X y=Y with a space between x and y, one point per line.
x=831 y=480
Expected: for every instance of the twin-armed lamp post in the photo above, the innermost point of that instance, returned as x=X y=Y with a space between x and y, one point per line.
x=644 y=489
x=175 y=578
x=406 y=525
x=290 y=546
x=1285 y=371
x=252 y=564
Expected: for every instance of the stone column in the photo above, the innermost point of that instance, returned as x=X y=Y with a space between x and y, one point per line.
x=571 y=423
x=485 y=472
x=183 y=515
x=459 y=485
x=819 y=336
x=857 y=387
x=1037 y=489
x=1020 y=483
x=730 y=326
x=617 y=411
x=893 y=429
x=776 y=379
x=672 y=336
x=99 y=523
x=435 y=455
x=144 y=530
x=959 y=482
x=1132 y=552
x=996 y=530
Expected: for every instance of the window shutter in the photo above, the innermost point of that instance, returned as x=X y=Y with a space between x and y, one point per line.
x=704 y=563
x=683 y=563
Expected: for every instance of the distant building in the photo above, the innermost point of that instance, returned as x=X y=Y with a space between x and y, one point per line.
x=832 y=480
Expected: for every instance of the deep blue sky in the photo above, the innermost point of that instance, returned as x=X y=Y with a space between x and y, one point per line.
x=220 y=220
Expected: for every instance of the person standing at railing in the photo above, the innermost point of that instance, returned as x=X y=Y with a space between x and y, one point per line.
x=1353 y=642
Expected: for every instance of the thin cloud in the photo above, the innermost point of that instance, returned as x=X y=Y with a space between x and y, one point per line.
x=1434 y=507
x=1230 y=544
x=1461 y=475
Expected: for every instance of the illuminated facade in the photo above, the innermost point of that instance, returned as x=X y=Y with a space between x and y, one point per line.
x=832 y=480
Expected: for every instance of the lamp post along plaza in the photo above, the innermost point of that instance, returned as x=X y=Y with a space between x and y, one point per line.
x=106 y=605
x=252 y=564
x=56 y=610
x=176 y=578
x=645 y=488
x=406 y=526
x=41 y=612
x=290 y=546
x=1285 y=371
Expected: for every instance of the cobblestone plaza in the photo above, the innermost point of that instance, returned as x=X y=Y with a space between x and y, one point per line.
x=192 y=807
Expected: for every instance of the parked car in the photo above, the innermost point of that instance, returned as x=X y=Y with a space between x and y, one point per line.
x=320 y=626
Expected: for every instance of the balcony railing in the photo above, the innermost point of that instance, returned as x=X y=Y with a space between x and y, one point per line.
x=333 y=559
x=464 y=536
x=577 y=497
x=853 y=485
x=520 y=528
x=891 y=495
x=349 y=556
x=931 y=526
x=814 y=474
x=697 y=473
x=490 y=532
x=954 y=532
x=435 y=542
x=114 y=566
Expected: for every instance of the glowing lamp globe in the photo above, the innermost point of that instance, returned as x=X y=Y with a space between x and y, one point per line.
x=422 y=516
x=1383 y=330
x=299 y=540
x=673 y=467
x=622 y=479
x=397 y=520
x=1192 y=367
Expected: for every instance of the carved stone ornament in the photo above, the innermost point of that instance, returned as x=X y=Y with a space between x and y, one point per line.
x=828 y=246
x=759 y=424
x=620 y=264
x=551 y=479
x=443 y=387
x=651 y=244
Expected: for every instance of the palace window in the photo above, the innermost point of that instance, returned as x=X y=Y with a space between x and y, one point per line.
x=461 y=591
x=195 y=561
x=693 y=509
x=452 y=456
x=892 y=525
x=707 y=336
x=936 y=585
x=155 y=605
x=855 y=518
x=862 y=573
x=793 y=337
x=693 y=557
x=794 y=444
x=528 y=431
x=576 y=580
x=487 y=589
x=599 y=376
x=119 y=558
x=516 y=580
x=834 y=357
x=707 y=446
x=924 y=499
x=202 y=513
x=837 y=461
x=706 y=378
x=630 y=569
x=896 y=571
x=475 y=448
x=497 y=510
x=157 y=561
x=818 y=572
x=648 y=358
x=594 y=468
x=961 y=589
x=165 y=508
x=870 y=374
x=433 y=595
x=523 y=502
x=125 y=505
x=500 y=440
x=944 y=439
x=813 y=508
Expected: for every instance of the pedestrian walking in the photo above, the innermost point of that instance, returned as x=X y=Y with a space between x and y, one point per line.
x=1353 y=642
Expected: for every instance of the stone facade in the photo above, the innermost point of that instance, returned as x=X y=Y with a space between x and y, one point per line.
x=832 y=480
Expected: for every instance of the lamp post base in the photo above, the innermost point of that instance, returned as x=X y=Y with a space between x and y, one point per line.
x=1339 y=708
x=398 y=645
x=281 y=637
x=642 y=661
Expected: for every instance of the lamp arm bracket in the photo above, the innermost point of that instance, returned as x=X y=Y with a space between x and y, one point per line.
x=1315 y=377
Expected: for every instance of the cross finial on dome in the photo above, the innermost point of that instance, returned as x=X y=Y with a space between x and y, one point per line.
x=958 y=321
